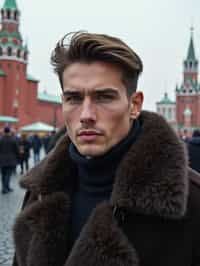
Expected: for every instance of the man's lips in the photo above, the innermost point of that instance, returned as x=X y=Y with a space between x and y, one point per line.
x=89 y=135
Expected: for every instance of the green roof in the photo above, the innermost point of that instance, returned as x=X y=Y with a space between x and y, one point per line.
x=2 y=73
x=31 y=78
x=191 y=52
x=6 y=33
x=166 y=100
x=38 y=127
x=10 y=4
x=8 y=119
x=49 y=98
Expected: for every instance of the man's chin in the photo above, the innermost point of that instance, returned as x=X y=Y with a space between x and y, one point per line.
x=91 y=151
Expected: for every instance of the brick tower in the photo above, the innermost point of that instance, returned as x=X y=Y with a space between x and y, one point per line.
x=188 y=94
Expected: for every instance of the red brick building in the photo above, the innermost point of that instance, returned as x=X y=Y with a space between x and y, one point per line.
x=188 y=94
x=19 y=96
x=186 y=108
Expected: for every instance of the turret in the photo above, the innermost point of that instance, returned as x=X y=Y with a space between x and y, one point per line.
x=11 y=43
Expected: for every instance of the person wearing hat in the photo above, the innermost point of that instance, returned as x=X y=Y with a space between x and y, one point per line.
x=8 y=158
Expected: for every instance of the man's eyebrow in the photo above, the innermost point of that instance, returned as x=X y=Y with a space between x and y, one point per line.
x=106 y=90
x=67 y=93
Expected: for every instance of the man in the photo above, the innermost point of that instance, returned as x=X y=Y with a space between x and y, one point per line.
x=116 y=189
x=8 y=159
x=194 y=150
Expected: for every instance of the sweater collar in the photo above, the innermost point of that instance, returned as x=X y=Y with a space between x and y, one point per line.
x=114 y=155
x=96 y=175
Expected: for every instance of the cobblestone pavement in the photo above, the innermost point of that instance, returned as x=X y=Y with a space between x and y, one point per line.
x=10 y=205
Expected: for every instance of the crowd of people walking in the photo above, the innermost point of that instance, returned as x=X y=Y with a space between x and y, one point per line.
x=15 y=149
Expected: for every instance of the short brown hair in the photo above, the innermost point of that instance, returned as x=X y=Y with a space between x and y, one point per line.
x=91 y=47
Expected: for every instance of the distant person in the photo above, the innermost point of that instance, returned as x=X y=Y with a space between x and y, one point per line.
x=24 y=152
x=36 y=146
x=9 y=157
x=194 y=150
x=47 y=141
x=185 y=136
x=55 y=137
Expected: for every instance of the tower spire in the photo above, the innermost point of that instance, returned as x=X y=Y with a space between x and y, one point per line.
x=191 y=51
x=190 y=65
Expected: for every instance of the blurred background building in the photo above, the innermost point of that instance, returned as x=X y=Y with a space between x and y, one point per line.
x=184 y=113
x=20 y=101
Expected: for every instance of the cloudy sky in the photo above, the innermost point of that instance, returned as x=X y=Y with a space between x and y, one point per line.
x=159 y=31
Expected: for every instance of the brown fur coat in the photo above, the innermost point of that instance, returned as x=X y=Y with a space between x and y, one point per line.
x=151 y=184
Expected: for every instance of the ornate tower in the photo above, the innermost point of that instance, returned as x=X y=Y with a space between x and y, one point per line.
x=188 y=94
x=190 y=65
x=13 y=60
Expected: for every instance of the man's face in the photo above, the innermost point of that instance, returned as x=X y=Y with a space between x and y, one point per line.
x=96 y=109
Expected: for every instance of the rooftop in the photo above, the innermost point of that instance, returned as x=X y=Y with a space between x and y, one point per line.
x=49 y=98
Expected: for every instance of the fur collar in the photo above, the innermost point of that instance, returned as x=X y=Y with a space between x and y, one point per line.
x=152 y=179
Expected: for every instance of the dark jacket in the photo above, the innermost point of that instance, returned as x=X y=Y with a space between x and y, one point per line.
x=36 y=143
x=152 y=218
x=194 y=153
x=24 y=149
x=9 y=154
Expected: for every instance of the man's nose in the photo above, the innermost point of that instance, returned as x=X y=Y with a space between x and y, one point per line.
x=88 y=112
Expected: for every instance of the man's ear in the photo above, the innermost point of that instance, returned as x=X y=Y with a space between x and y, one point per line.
x=136 y=102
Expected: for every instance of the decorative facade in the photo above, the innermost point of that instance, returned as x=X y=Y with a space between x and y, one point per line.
x=187 y=102
x=167 y=108
x=19 y=96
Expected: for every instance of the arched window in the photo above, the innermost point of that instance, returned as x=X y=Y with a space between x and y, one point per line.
x=1 y=51
x=9 y=50
x=8 y=14
x=25 y=56
x=15 y=15
x=18 y=53
x=191 y=64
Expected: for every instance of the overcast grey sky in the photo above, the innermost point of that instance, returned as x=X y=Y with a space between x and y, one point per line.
x=158 y=30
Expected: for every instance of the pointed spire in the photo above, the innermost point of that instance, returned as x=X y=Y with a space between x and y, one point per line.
x=191 y=52
x=10 y=4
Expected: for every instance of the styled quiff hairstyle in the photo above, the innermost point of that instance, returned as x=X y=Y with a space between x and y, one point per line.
x=91 y=47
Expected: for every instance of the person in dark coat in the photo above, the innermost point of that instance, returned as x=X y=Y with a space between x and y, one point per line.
x=9 y=157
x=194 y=150
x=116 y=189
x=36 y=145
x=24 y=152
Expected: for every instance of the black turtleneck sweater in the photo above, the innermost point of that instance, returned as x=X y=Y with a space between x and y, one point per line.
x=96 y=178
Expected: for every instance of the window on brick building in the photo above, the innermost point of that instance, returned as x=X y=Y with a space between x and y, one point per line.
x=9 y=51
x=8 y=14
x=25 y=56
x=15 y=15
x=18 y=53
x=164 y=111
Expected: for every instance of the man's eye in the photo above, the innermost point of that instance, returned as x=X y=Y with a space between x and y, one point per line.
x=104 y=97
x=73 y=99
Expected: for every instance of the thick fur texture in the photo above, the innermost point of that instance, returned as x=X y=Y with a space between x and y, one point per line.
x=152 y=179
